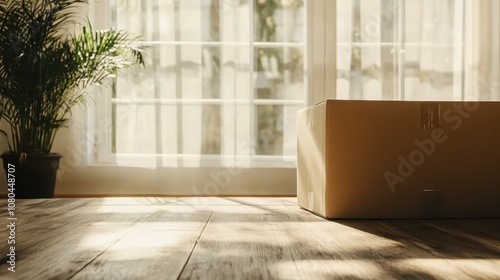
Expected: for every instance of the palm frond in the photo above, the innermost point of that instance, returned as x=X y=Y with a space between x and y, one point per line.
x=44 y=69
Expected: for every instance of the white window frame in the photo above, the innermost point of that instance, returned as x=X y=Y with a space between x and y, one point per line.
x=400 y=46
x=99 y=132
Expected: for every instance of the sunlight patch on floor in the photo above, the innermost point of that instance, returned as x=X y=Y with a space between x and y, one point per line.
x=357 y=269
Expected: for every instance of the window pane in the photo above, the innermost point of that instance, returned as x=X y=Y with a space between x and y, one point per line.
x=368 y=21
x=162 y=20
x=189 y=72
x=432 y=73
x=235 y=21
x=158 y=78
x=279 y=20
x=167 y=129
x=434 y=50
x=368 y=72
x=439 y=21
x=397 y=49
x=275 y=129
x=211 y=130
x=268 y=129
x=199 y=90
x=130 y=135
x=235 y=72
x=279 y=73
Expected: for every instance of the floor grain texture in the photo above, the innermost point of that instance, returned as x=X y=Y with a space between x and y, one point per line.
x=236 y=238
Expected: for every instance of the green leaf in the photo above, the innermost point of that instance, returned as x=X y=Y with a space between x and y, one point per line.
x=44 y=69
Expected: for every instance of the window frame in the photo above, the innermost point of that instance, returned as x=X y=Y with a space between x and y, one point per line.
x=100 y=132
x=401 y=45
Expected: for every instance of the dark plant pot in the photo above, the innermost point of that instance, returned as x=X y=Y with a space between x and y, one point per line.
x=35 y=178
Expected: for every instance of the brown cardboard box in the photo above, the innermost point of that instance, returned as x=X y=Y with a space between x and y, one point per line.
x=399 y=159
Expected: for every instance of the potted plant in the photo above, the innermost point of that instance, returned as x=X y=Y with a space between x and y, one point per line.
x=45 y=69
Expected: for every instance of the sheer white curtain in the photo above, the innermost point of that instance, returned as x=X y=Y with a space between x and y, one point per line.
x=434 y=49
x=482 y=58
x=178 y=106
x=223 y=81
x=417 y=49
x=367 y=49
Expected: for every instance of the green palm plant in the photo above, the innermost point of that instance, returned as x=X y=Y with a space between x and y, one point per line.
x=45 y=68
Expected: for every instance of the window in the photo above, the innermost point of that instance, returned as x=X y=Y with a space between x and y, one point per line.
x=223 y=82
x=417 y=49
x=226 y=77
x=143 y=123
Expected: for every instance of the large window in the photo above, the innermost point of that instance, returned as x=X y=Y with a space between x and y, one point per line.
x=417 y=49
x=223 y=82
x=224 y=78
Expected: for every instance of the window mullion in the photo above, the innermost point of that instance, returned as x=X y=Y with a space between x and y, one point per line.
x=178 y=81
x=464 y=49
x=251 y=110
x=402 y=48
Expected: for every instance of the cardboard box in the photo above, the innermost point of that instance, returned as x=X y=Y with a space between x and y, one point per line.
x=399 y=159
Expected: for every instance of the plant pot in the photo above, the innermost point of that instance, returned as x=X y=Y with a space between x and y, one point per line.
x=34 y=178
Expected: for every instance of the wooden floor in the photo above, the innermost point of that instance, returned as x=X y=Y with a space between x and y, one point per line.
x=237 y=238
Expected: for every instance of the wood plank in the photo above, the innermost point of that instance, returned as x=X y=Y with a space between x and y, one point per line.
x=240 y=201
x=378 y=248
x=156 y=249
x=476 y=231
x=450 y=250
x=71 y=245
x=196 y=201
x=50 y=215
x=492 y=224
x=239 y=238
x=53 y=217
x=232 y=248
x=271 y=243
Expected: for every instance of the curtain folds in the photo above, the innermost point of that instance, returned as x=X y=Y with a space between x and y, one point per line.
x=226 y=77
x=223 y=81
x=418 y=49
